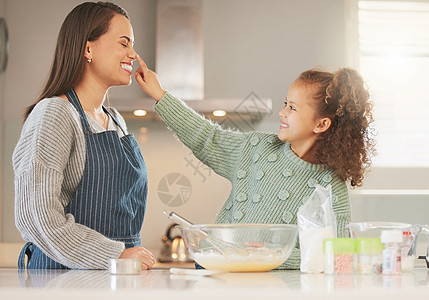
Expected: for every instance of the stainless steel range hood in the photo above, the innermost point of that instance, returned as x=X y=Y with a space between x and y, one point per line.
x=179 y=47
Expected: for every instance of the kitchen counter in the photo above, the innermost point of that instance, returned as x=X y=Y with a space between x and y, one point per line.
x=160 y=284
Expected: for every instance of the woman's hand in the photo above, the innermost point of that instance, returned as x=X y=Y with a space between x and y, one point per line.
x=148 y=81
x=140 y=252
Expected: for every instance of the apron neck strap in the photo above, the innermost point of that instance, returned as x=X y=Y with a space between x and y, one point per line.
x=114 y=120
x=74 y=100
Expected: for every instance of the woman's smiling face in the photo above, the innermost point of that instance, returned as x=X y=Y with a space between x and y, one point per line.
x=113 y=53
x=297 y=118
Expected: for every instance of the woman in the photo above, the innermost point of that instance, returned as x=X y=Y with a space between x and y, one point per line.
x=80 y=179
x=324 y=138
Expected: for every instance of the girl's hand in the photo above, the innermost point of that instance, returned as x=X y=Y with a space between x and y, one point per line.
x=148 y=81
x=139 y=252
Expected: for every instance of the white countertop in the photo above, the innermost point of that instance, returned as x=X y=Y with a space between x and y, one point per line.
x=160 y=284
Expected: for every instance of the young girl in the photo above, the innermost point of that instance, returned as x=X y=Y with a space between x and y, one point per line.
x=324 y=139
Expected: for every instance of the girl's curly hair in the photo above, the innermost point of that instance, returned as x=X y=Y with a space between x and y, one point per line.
x=347 y=146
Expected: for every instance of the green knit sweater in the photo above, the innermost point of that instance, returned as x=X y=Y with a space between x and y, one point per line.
x=269 y=182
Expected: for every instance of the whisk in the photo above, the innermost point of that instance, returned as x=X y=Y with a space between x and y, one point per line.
x=219 y=244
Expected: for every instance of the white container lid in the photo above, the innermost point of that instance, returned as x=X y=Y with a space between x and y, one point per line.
x=391 y=236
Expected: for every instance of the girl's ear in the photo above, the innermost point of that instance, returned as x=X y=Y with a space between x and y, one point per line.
x=322 y=125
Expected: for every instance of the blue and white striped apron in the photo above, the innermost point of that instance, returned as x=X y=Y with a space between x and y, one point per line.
x=111 y=197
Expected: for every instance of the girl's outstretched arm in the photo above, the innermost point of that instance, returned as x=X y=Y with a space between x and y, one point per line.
x=217 y=148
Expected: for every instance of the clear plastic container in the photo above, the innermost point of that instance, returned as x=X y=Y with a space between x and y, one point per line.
x=369 y=255
x=338 y=255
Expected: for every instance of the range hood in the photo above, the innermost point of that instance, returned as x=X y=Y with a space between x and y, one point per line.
x=180 y=64
x=179 y=48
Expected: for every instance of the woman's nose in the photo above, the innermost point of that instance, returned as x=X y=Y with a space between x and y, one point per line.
x=282 y=113
x=133 y=54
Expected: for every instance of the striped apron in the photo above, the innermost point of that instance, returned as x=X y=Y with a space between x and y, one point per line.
x=111 y=196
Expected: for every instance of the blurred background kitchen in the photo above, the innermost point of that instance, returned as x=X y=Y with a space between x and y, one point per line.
x=239 y=56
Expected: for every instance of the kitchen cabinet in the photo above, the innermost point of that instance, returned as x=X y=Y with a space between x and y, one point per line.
x=160 y=284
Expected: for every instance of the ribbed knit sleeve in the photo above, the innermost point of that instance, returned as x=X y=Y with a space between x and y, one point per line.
x=48 y=162
x=216 y=147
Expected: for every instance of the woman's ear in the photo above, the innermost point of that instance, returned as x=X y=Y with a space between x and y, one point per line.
x=322 y=125
x=88 y=52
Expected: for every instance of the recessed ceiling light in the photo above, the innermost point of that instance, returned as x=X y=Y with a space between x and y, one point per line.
x=140 y=113
x=219 y=113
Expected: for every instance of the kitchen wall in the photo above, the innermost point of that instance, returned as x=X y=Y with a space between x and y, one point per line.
x=249 y=46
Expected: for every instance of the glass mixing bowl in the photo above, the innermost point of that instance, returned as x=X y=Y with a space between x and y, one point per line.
x=240 y=247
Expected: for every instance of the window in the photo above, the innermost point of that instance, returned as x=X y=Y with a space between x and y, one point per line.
x=394 y=60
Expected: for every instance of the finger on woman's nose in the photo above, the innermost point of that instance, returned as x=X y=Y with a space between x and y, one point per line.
x=133 y=54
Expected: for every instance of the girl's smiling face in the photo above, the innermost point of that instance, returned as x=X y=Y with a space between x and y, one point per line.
x=298 y=123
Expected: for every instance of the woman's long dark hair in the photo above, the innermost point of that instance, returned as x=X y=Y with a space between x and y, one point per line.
x=86 y=22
